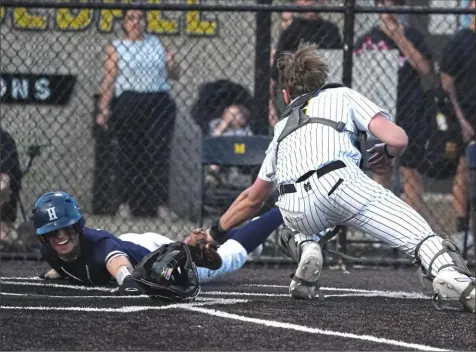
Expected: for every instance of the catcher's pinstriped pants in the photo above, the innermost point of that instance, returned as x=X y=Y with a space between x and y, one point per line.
x=233 y=255
x=347 y=196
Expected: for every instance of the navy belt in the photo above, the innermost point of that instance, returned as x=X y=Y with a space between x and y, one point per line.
x=290 y=188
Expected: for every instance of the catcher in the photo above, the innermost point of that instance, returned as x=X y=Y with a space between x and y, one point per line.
x=140 y=263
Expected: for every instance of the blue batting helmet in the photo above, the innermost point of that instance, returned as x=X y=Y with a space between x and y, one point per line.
x=54 y=211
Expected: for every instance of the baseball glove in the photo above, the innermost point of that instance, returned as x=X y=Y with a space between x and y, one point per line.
x=203 y=249
x=200 y=237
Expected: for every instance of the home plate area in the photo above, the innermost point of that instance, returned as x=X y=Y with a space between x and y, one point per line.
x=364 y=309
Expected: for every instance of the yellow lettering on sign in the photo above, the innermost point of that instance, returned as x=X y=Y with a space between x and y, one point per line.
x=2 y=14
x=107 y=17
x=66 y=20
x=22 y=19
x=157 y=24
x=197 y=26
x=240 y=148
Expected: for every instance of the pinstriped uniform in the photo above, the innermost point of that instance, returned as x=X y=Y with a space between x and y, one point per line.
x=346 y=196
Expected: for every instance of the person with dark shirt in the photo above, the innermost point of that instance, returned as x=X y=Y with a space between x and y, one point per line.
x=415 y=60
x=10 y=174
x=96 y=257
x=458 y=78
x=308 y=27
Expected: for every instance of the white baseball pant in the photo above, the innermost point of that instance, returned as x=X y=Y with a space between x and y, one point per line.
x=347 y=196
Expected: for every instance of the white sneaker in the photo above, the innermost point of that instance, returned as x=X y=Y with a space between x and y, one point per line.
x=454 y=287
x=304 y=284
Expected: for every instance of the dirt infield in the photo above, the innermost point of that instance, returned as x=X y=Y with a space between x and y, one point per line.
x=371 y=309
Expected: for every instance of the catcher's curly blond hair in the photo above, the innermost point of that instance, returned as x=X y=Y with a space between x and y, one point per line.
x=302 y=71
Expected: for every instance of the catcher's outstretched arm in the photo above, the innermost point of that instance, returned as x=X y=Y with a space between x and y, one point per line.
x=247 y=205
x=234 y=252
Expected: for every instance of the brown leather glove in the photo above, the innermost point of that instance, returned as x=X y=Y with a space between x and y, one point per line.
x=201 y=237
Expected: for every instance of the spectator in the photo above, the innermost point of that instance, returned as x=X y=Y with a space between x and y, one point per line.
x=135 y=101
x=10 y=183
x=307 y=27
x=214 y=98
x=285 y=19
x=414 y=62
x=234 y=122
x=458 y=78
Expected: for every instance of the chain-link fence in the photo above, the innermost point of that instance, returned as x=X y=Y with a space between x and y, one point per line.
x=112 y=102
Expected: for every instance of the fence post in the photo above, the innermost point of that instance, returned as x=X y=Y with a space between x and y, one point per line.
x=348 y=53
x=349 y=22
x=471 y=164
x=262 y=70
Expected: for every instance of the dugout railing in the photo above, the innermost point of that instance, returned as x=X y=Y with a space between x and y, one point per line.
x=53 y=70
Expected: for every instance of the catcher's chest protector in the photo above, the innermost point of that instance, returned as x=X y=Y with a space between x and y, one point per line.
x=169 y=274
x=297 y=118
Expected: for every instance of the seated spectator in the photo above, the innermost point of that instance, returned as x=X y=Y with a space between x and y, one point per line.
x=10 y=183
x=136 y=104
x=214 y=98
x=307 y=27
x=234 y=122
x=414 y=62
x=458 y=78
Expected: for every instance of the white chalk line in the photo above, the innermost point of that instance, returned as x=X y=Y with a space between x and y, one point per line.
x=35 y=278
x=35 y=295
x=48 y=284
x=398 y=295
x=105 y=289
x=322 y=288
x=386 y=294
x=126 y=309
x=301 y=328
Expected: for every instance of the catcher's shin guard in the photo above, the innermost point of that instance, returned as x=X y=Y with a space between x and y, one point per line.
x=291 y=242
x=306 y=252
x=305 y=282
x=454 y=289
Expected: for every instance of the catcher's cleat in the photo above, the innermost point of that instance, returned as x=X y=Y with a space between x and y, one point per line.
x=454 y=291
x=305 y=282
x=205 y=255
